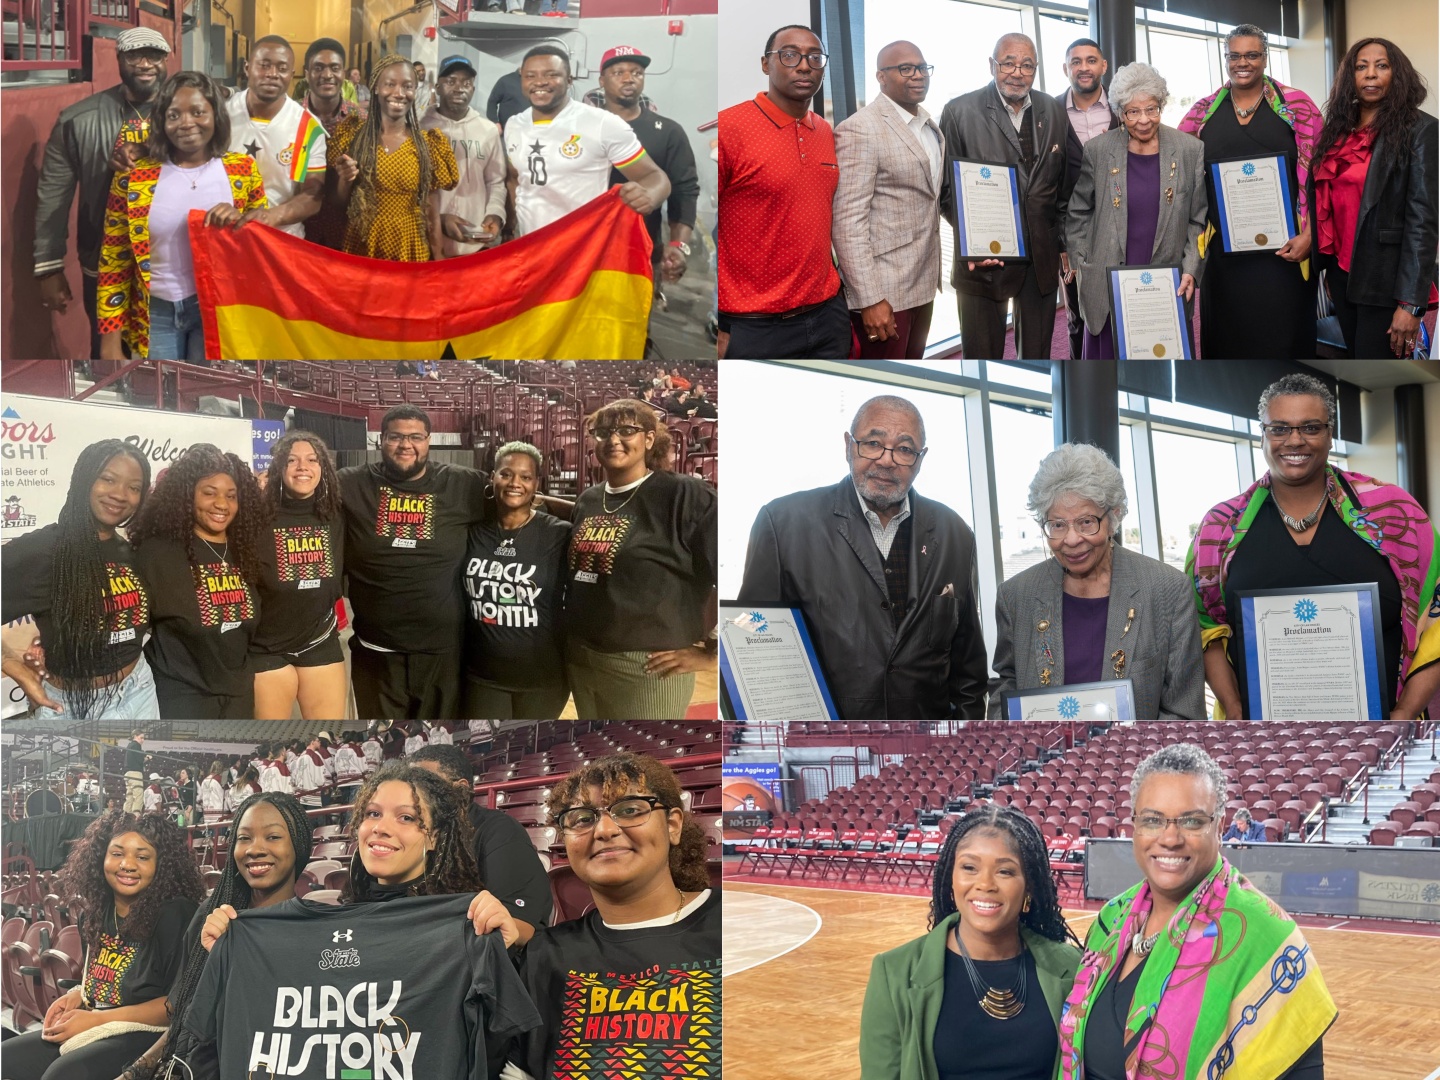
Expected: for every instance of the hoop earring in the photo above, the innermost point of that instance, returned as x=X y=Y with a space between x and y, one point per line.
x=1026 y=909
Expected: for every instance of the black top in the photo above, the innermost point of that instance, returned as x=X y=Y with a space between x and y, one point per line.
x=1269 y=558
x=300 y=557
x=641 y=570
x=515 y=592
x=665 y=141
x=970 y=1044
x=648 y=997
x=134 y=757
x=404 y=550
x=202 y=615
x=27 y=563
x=123 y=971
x=509 y=866
x=1266 y=134
x=506 y=98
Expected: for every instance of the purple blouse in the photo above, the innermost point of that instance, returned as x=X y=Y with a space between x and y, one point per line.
x=1083 y=619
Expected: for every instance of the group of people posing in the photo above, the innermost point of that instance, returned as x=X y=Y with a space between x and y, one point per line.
x=415 y=176
x=208 y=597
x=888 y=581
x=1101 y=182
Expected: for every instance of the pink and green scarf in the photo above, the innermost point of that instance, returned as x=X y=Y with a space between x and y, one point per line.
x=1231 y=988
x=1383 y=515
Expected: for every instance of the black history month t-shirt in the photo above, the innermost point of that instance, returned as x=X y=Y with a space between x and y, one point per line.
x=642 y=563
x=404 y=990
x=404 y=550
x=202 y=616
x=514 y=590
x=27 y=563
x=300 y=558
x=642 y=1004
x=126 y=971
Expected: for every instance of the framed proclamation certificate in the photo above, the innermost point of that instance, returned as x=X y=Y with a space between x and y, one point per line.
x=1252 y=203
x=1147 y=313
x=987 y=211
x=1313 y=655
x=1113 y=699
x=768 y=669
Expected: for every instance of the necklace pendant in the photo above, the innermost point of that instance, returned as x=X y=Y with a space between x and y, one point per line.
x=1001 y=1004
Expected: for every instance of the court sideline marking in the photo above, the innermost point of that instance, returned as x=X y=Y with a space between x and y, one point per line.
x=729 y=970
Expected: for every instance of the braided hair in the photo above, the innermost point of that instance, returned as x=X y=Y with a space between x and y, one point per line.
x=79 y=584
x=450 y=866
x=326 y=499
x=1395 y=117
x=365 y=150
x=1044 y=917
x=170 y=511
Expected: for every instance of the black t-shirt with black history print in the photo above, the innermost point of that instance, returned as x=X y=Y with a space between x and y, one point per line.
x=202 y=616
x=300 y=578
x=27 y=564
x=402 y=990
x=404 y=551
x=642 y=563
x=124 y=971
x=643 y=1004
x=514 y=591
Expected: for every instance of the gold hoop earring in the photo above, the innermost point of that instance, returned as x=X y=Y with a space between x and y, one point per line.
x=1026 y=909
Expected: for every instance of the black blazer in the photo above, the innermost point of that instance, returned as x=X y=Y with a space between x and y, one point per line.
x=1394 y=256
x=814 y=550
x=1074 y=148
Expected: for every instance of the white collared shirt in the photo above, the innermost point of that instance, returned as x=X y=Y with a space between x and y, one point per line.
x=925 y=131
x=884 y=535
x=1016 y=119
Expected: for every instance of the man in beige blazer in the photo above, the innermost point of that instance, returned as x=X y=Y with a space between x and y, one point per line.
x=886 y=213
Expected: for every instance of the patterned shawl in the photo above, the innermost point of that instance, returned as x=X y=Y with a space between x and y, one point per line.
x=1383 y=515
x=1231 y=988
x=1291 y=105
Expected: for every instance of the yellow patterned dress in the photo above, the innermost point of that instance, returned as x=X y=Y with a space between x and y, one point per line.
x=399 y=231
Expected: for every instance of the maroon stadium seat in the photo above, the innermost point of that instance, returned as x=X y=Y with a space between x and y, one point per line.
x=1384 y=834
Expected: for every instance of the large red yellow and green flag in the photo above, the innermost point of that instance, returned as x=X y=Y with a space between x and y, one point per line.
x=578 y=289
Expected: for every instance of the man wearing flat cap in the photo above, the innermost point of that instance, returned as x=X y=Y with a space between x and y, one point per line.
x=88 y=141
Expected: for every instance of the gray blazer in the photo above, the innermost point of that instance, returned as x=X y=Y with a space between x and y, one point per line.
x=1095 y=228
x=1162 y=649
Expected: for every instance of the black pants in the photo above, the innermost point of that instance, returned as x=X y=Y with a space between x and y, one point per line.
x=29 y=1057
x=820 y=334
x=982 y=322
x=1366 y=326
x=181 y=701
x=1074 y=324
x=488 y=701
x=405 y=686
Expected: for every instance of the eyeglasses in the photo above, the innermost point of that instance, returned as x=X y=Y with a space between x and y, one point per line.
x=1150 y=112
x=792 y=57
x=1085 y=526
x=627 y=813
x=1280 y=432
x=908 y=71
x=1251 y=56
x=625 y=431
x=872 y=450
x=395 y=438
x=1009 y=67
x=1154 y=823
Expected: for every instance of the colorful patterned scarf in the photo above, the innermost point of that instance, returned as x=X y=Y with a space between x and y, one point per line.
x=1231 y=988
x=1386 y=518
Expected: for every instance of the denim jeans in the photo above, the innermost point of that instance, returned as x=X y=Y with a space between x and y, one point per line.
x=553 y=5
x=175 y=329
x=134 y=699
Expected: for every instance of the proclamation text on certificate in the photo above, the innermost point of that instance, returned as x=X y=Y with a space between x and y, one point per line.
x=1310 y=655
x=988 y=211
x=1148 y=314
x=769 y=670
x=1254 y=197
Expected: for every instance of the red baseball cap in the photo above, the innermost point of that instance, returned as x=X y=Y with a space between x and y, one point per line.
x=624 y=52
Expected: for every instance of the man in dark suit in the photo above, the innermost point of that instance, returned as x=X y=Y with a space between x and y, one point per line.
x=1002 y=122
x=1088 y=113
x=885 y=577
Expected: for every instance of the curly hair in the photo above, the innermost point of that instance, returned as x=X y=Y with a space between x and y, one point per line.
x=170 y=511
x=641 y=414
x=450 y=866
x=326 y=500
x=1397 y=113
x=83 y=875
x=618 y=775
x=365 y=150
x=1298 y=385
x=79 y=584
x=1044 y=917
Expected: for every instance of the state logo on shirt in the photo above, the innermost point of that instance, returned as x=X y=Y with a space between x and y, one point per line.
x=596 y=541
x=224 y=598
x=405 y=515
x=302 y=553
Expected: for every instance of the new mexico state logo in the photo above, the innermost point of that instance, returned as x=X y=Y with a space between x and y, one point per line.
x=302 y=552
x=405 y=514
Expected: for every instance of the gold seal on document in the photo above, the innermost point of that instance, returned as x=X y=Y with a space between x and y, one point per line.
x=1159 y=350
x=994 y=247
x=1261 y=238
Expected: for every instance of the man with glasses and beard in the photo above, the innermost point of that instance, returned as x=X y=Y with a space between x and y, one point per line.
x=89 y=142
x=886 y=578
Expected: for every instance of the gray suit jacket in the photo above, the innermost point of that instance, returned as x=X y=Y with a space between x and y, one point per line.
x=887 y=219
x=1095 y=228
x=1162 y=649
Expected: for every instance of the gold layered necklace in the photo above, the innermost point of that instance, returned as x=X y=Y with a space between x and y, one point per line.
x=1001 y=1004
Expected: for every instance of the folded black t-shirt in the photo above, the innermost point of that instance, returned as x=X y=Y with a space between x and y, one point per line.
x=124 y=971
x=515 y=591
x=27 y=565
x=202 y=616
x=404 y=550
x=300 y=557
x=642 y=564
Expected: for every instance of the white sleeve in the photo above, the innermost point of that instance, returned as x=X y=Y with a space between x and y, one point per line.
x=618 y=138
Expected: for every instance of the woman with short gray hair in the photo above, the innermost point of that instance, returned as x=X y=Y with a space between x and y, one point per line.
x=1095 y=611
x=1139 y=201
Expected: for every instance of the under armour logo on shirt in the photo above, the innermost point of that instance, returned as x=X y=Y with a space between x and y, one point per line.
x=342 y=935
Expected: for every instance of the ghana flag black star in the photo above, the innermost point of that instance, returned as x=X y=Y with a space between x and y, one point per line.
x=252 y=148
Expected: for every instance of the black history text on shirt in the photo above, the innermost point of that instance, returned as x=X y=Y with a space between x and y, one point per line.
x=405 y=515
x=503 y=591
x=127 y=606
x=108 y=965
x=223 y=595
x=303 y=555
x=595 y=543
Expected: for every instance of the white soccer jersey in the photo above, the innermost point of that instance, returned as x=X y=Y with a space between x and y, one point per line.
x=565 y=162
x=272 y=145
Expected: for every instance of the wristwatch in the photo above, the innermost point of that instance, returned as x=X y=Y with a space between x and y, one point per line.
x=684 y=247
x=1414 y=309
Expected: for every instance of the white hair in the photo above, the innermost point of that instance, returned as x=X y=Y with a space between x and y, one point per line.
x=1135 y=80
x=1083 y=470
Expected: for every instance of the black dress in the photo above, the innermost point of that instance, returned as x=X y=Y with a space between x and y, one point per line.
x=1253 y=305
x=970 y=1044
x=1269 y=558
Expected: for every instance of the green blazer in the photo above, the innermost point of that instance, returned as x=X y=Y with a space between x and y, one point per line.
x=902 y=1001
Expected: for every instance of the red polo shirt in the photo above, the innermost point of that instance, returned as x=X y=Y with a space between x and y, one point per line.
x=777 y=182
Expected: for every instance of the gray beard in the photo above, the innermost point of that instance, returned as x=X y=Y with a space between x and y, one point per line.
x=880 y=500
